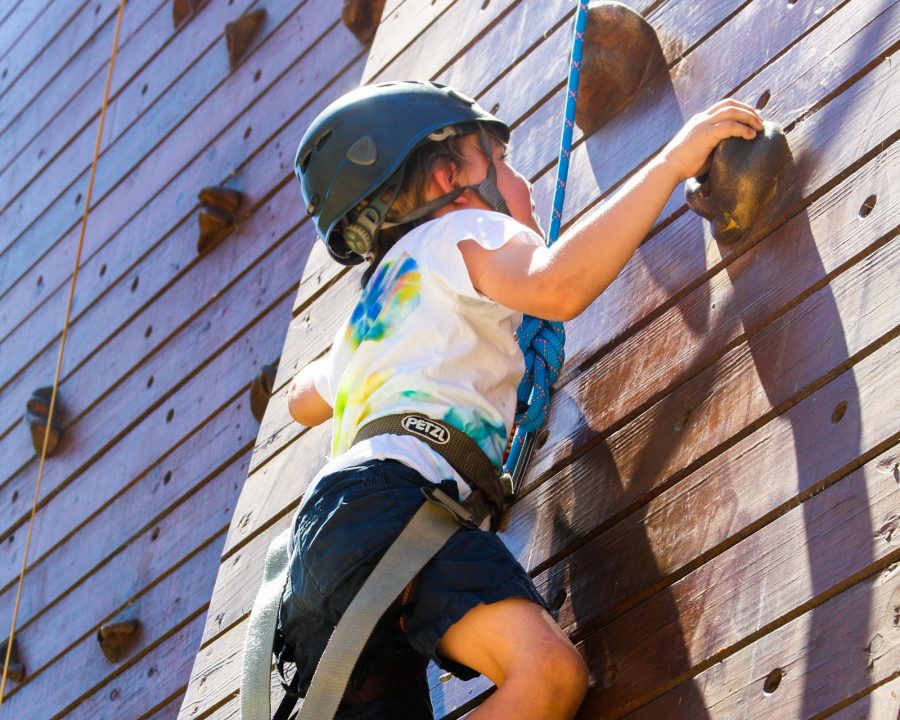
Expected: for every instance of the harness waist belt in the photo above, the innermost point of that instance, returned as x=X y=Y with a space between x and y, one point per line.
x=457 y=448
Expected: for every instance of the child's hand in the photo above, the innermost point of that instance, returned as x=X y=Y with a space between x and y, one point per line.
x=688 y=152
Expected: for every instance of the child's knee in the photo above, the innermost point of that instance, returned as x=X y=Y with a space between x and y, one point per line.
x=563 y=672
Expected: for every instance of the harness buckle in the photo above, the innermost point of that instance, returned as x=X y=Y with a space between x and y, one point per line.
x=463 y=515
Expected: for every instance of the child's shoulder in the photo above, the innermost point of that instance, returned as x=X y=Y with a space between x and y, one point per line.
x=489 y=229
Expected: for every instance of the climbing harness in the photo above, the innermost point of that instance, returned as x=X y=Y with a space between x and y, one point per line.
x=62 y=344
x=542 y=344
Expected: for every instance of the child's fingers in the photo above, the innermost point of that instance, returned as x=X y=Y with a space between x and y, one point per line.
x=747 y=116
x=733 y=128
x=731 y=109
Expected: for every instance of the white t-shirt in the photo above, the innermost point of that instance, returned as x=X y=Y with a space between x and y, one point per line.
x=422 y=339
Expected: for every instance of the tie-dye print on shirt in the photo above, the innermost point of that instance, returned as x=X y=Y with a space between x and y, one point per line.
x=422 y=339
x=393 y=292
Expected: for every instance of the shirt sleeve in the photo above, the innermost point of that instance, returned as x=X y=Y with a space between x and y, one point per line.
x=329 y=368
x=491 y=230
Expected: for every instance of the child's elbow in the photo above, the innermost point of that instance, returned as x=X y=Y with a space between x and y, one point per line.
x=306 y=406
x=563 y=304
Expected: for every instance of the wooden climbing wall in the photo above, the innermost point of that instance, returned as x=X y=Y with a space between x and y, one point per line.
x=714 y=506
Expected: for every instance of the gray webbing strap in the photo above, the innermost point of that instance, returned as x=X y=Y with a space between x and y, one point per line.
x=256 y=670
x=420 y=540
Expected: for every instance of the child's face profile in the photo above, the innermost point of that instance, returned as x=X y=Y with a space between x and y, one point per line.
x=516 y=190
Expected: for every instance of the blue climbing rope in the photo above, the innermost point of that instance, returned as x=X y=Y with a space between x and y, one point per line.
x=543 y=342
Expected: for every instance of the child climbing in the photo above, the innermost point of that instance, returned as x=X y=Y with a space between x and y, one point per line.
x=415 y=179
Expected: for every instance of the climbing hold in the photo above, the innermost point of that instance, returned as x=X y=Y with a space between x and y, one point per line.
x=183 y=9
x=37 y=412
x=217 y=208
x=116 y=637
x=362 y=18
x=221 y=198
x=621 y=53
x=261 y=389
x=747 y=180
x=16 y=669
x=241 y=33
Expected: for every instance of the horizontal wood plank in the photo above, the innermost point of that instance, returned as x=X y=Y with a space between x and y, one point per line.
x=83 y=668
x=61 y=557
x=824 y=656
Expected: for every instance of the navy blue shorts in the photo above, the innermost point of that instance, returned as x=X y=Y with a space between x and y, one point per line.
x=339 y=536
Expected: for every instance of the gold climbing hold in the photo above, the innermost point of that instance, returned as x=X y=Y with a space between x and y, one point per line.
x=241 y=33
x=621 y=53
x=115 y=638
x=362 y=18
x=37 y=418
x=748 y=181
x=218 y=206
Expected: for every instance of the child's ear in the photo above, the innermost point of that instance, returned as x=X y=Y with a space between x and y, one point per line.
x=444 y=176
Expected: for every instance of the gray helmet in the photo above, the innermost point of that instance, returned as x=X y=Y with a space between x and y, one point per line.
x=357 y=148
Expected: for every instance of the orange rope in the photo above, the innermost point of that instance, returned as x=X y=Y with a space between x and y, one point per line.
x=62 y=344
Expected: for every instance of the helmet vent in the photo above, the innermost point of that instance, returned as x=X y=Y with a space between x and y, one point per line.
x=320 y=143
x=304 y=161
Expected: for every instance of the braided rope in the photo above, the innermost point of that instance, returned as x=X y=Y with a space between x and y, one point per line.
x=543 y=342
x=62 y=346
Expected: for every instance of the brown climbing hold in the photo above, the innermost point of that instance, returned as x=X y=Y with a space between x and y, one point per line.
x=16 y=669
x=116 y=637
x=37 y=412
x=362 y=18
x=183 y=9
x=621 y=53
x=216 y=217
x=241 y=33
x=747 y=181
x=221 y=198
x=261 y=390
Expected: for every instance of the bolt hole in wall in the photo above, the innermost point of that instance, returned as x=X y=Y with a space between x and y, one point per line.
x=772 y=681
x=134 y=283
x=170 y=415
x=149 y=331
x=257 y=75
x=838 y=413
x=247 y=132
x=867 y=206
x=167 y=477
x=484 y=5
x=763 y=100
x=145 y=89
x=103 y=270
x=149 y=382
x=15 y=495
x=78 y=199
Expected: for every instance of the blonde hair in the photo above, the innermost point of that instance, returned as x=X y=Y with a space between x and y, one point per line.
x=420 y=166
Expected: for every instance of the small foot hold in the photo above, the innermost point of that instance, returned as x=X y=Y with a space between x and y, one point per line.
x=261 y=390
x=216 y=217
x=241 y=33
x=115 y=638
x=362 y=17
x=183 y=9
x=16 y=669
x=747 y=181
x=37 y=414
x=621 y=53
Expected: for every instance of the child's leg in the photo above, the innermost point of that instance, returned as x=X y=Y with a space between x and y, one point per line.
x=515 y=643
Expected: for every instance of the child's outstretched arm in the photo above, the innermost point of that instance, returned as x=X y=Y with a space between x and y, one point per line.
x=559 y=282
x=305 y=404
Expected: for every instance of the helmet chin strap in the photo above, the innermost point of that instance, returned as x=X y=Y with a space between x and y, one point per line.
x=363 y=228
x=487 y=190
